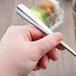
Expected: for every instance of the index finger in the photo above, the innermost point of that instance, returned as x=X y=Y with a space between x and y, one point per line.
x=35 y=32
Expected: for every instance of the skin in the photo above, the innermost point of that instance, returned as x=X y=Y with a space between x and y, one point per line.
x=25 y=48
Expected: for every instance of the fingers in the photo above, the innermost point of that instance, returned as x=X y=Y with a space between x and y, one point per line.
x=52 y=54
x=37 y=68
x=44 y=62
x=34 y=32
x=60 y=47
x=47 y=43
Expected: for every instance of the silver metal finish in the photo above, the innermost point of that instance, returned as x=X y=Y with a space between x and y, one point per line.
x=30 y=17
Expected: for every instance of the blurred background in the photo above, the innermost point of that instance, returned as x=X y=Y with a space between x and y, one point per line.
x=66 y=64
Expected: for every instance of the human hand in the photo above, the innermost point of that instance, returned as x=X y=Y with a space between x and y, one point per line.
x=25 y=48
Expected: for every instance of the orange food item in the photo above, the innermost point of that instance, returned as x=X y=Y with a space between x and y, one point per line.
x=47 y=6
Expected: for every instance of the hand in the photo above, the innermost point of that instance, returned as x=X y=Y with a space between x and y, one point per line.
x=25 y=48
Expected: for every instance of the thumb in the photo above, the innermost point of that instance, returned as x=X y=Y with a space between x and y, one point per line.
x=47 y=43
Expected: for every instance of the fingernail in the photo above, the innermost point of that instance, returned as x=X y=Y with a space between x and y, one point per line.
x=46 y=64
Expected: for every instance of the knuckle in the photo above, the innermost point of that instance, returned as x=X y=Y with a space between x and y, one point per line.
x=51 y=42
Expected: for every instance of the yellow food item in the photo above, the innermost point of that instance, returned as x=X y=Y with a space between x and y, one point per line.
x=37 y=14
x=44 y=10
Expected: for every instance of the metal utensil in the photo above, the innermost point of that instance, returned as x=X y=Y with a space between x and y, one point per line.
x=27 y=14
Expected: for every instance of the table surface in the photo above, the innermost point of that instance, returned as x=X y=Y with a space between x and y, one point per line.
x=66 y=64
